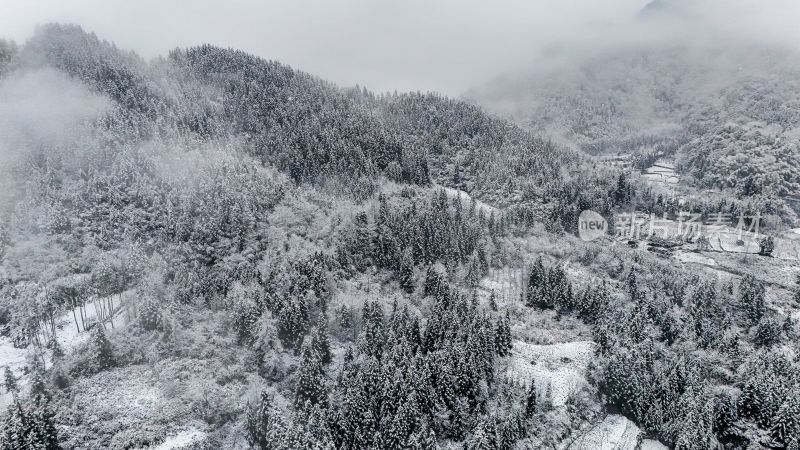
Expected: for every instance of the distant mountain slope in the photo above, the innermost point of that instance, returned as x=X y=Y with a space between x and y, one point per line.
x=312 y=130
x=729 y=116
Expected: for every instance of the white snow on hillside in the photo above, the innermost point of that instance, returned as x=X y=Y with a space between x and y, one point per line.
x=560 y=366
x=67 y=335
x=454 y=193
x=615 y=432
x=181 y=440
x=14 y=358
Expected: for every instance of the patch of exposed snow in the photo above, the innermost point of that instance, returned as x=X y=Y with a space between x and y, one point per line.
x=650 y=444
x=690 y=257
x=14 y=359
x=67 y=336
x=453 y=193
x=560 y=366
x=506 y=284
x=615 y=432
x=181 y=440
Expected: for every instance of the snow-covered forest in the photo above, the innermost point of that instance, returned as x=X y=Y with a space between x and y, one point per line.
x=210 y=249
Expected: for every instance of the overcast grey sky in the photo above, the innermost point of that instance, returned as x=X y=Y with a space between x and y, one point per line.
x=442 y=45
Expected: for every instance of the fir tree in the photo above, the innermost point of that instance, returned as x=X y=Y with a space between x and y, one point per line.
x=530 y=401
x=17 y=426
x=293 y=322
x=768 y=333
x=10 y=381
x=751 y=296
x=423 y=439
x=33 y=427
x=344 y=316
x=383 y=244
x=320 y=340
x=261 y=426
x=373 y=332
x=406 y=270
x=547 y=400
x=726 y=416
x=44 y=431
x=503 y=339
x=102 y=350
x=483 y=437
x=310 y=384
x=314 y=420
x=456 y=175
x=786 y=423
x=435 y=283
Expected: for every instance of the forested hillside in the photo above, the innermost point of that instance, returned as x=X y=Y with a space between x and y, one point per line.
x=217 y=250
x=727 y=115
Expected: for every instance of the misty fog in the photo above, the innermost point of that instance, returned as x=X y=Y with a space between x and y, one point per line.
x=446 y=46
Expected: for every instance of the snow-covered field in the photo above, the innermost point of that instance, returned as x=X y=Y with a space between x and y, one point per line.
x=662 y=172
x=562 y=367
x=690 y=257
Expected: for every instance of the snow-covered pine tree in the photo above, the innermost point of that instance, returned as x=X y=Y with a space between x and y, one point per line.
x=103 y=352
x=17 y=426
x=406 y=270
x=310 y=379
x=373 y=333
x=483 y=436
x=751 y=297
x=321 y=341
x=423 y=439
x=726 y=416
x=261 y=424
x=44 y=431
x=10 y=381
x=530 y=401
x=293 y=322
x=786 y=423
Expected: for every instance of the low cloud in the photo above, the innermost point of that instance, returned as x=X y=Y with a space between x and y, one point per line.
x=446 y=46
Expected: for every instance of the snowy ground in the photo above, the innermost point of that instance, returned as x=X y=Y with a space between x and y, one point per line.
x=662 y=172
x=506 y=283
x=67 y=335
x=14 y=358
x=181 y=440
x=650 y=444
x=562 y=367
x=615 y=432
x=691 y=257
x=468 y=198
